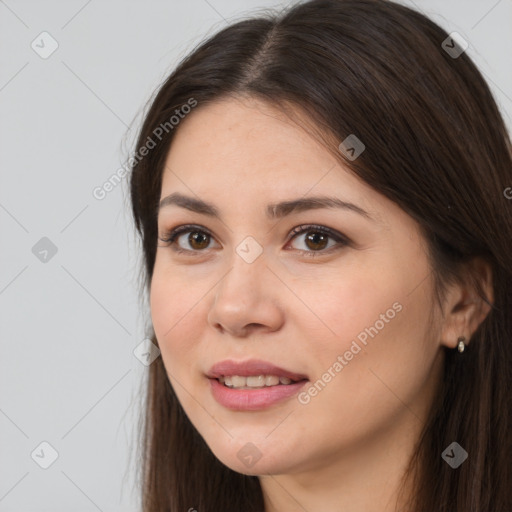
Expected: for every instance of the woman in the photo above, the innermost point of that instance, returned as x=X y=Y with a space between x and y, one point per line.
x=327 y=249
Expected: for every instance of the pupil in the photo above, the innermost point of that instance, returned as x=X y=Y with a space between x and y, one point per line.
x=198 y=240
x=319 y=240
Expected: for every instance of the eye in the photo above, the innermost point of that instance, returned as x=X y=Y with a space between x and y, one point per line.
x=198 y=239
x=316 y=239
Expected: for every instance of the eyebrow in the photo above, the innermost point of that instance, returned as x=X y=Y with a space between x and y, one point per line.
x=273 y=210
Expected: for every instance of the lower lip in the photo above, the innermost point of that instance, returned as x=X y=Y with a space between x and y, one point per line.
x=252 y=399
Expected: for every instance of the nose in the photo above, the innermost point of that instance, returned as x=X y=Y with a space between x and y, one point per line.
x=246 y=300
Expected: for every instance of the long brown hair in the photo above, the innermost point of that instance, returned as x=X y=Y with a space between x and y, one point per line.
x=436 y=145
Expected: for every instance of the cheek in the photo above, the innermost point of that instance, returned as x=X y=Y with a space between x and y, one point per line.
x=162 y=305
x=174 y=308
x=352 y=303
x=172 y=294
x=373 y=321
x=383 y=338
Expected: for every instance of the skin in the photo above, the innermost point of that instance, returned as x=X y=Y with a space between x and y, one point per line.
x=347 y=448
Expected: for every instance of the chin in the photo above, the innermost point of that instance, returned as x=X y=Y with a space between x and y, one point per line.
x=254 y=458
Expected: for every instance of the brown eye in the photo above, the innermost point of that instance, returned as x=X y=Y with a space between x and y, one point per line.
x=316 y=241
x=187 y=239
x=198 y=240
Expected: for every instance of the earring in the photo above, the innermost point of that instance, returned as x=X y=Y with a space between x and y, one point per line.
x=461 y=346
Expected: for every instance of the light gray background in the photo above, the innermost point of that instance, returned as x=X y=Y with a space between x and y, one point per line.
x=69 y=325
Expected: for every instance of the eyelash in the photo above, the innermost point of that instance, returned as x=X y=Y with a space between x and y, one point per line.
x=169 y=238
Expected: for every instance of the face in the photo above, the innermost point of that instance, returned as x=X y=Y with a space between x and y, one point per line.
x=339 y=294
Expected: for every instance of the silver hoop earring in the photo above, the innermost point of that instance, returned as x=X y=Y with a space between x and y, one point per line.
x=461 y=345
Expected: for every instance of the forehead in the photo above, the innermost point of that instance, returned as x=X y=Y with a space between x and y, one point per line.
x=247 y=143
x=238 y=138
x=242 y=154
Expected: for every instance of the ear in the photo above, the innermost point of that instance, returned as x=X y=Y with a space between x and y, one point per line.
x=464 y=310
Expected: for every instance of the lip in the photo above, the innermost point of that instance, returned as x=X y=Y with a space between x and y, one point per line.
x=249 y=368
x=252 y=399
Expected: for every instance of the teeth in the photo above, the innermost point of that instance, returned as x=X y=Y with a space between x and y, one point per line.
x=253 y=381
x=271 y=380
x=238 y=382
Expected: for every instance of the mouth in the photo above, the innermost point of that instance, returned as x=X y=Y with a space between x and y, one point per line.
x=256 y=381
x=252 y=385
x=252 y=373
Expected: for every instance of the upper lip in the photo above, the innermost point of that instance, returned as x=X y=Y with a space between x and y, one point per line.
x=250 y=367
